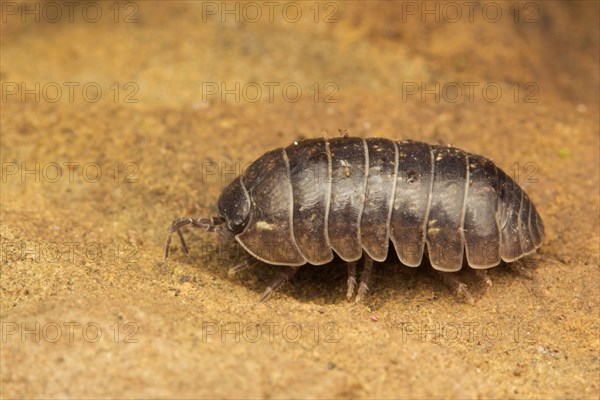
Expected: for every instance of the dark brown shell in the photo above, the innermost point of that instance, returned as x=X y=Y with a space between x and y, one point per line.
x=348 y=195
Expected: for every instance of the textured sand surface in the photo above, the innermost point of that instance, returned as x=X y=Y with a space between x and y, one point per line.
x=89 y=307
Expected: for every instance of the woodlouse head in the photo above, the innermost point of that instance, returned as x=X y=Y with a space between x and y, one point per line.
x=234 y=208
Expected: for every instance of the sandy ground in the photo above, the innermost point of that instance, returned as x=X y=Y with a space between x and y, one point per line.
x=90 y=182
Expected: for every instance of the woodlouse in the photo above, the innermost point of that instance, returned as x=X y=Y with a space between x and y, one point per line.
x=350 y=195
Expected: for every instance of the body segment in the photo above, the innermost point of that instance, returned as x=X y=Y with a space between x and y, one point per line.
x=412 y=201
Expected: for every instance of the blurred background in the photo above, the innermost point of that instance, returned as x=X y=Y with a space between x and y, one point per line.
x=117 y=117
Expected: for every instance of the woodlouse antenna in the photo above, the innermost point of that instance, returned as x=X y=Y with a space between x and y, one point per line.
x=207 y=224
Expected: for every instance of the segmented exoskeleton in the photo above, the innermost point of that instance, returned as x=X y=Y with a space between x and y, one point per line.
x=350 y=195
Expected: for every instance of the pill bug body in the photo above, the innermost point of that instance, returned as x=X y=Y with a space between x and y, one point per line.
x=348 y=195
x=352 y=196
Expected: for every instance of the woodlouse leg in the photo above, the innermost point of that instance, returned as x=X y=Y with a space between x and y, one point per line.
x=280 y=280
x=351 y=279
x=247 y=263
x=208 y=224
x=484 y=276
x=519 y=267
x=365 y=277
x=456 y=285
